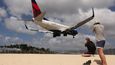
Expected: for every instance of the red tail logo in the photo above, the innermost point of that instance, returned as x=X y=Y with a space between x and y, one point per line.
x=35 y=8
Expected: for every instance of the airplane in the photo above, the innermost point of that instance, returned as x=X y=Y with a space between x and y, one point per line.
x=56 y=28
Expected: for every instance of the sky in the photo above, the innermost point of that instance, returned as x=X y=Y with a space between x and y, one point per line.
x=13 y=14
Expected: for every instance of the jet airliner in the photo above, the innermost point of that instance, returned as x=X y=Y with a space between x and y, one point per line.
x=56 y=28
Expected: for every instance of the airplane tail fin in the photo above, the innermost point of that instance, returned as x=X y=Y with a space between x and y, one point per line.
x=38 y=15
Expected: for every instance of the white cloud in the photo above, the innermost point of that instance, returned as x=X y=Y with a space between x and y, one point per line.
x=64 y=7
x=52 y=7
x=19 y=26
x=98 y=3
x=17 y=7
x=3 y=12
x=7 y=40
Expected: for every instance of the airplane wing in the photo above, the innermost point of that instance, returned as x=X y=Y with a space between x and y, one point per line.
x=43 y=31
x=84 y=21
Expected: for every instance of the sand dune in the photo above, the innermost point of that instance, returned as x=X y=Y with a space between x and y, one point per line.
x=51 y=59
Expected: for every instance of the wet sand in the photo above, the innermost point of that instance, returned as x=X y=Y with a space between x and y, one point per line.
x=51 y=59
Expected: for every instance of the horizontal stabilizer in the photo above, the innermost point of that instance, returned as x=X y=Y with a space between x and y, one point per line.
x=33 y=29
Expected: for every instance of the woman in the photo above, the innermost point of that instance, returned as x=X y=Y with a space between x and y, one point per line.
x=98 y=29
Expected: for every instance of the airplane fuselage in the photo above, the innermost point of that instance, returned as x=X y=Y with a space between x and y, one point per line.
x=56 y=28
x=48 y=25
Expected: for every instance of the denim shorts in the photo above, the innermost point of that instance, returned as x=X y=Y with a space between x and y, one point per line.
x=100 y=44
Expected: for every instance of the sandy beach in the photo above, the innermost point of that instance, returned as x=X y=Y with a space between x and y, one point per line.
x=51 y=59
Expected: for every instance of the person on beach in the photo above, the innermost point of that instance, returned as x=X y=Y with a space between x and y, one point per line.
x=90 y=47
x=98 y=29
